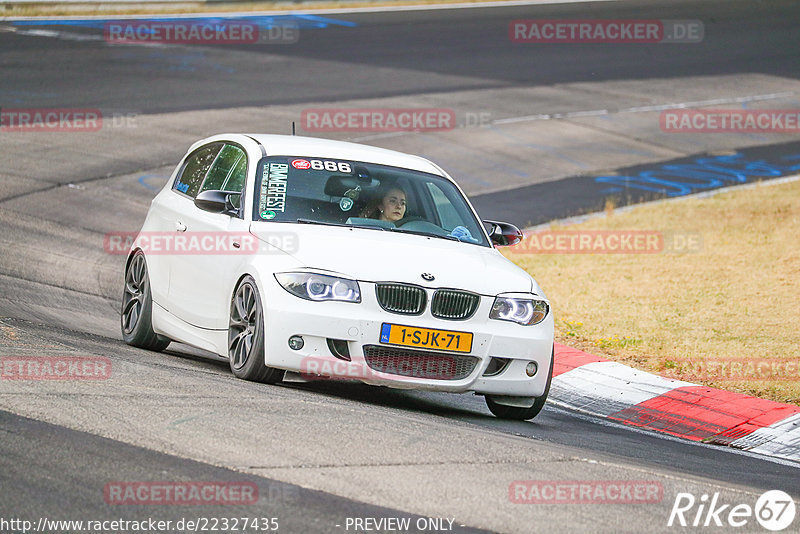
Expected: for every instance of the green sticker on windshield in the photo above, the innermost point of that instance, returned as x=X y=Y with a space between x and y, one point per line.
x=268 y=214
x=345 y=204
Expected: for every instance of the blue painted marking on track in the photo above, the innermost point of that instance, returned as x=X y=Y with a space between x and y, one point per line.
x=316 y=21
x=145 y=177
x=675 y=180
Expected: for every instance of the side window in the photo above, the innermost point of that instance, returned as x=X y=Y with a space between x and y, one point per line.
x=236 y=180
x=237 y=176
x=228 y=171
x=195 y=168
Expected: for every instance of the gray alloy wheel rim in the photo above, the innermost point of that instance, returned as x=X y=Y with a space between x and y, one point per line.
x=245 y=315
x=135 y=289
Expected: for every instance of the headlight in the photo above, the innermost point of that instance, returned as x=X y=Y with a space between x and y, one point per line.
x=314 y=286
x=522 y=311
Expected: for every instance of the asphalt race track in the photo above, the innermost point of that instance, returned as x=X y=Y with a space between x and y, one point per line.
x=538 y=125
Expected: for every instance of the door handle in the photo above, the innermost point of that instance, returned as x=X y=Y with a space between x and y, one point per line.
x=180 y=227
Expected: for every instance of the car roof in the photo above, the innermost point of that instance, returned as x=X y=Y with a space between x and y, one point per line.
x=296 y=145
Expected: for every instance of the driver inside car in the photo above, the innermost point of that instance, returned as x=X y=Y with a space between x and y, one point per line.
x=390 y=207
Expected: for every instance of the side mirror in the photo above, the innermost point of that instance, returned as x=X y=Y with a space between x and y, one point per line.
x=217 y=201
x=504 y=234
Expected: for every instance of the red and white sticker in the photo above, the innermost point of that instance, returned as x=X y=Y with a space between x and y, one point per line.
x=301 y=164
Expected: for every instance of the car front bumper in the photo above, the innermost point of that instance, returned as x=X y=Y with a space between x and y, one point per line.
x=359 y=325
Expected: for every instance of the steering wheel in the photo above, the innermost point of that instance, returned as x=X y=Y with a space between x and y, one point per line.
x=421 y=225
x=404 y=220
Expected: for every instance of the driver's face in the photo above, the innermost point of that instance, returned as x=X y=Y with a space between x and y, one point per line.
x=393 y=206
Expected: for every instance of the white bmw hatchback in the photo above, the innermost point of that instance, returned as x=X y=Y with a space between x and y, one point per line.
x=296 y=258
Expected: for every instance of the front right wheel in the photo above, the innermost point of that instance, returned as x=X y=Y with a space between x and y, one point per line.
x=137 y=307
x=246 y=336
x=522 y=414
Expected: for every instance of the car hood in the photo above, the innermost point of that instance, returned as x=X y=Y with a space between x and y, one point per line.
x=376 y=255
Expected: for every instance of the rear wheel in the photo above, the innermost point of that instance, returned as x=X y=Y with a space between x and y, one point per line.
x=522 y=414
x=246 y=336
x=137 y=308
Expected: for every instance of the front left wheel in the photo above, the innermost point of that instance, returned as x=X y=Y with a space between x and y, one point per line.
x=137 y=308
x=522 y=414
x=246 y=336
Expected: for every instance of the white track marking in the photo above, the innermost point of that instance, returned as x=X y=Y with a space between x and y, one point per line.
x=604 y=388
x=602 y=112
x=780 y=439
x=646 y=109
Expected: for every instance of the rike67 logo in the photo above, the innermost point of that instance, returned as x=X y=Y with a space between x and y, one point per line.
x=774 y=510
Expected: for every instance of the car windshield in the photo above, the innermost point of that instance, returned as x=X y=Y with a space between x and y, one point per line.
x=367 y=195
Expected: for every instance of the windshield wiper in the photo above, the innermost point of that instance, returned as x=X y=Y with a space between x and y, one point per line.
x=426 y=234
x=312 y=221
x=367 y=226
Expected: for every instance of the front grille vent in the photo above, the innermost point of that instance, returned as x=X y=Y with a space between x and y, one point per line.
x=401 y=298
x=453 y=304
x=419 y=364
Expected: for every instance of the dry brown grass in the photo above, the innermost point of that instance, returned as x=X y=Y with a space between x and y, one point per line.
x=737 y=299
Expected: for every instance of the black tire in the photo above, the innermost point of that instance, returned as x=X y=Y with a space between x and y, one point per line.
x=246 y=336
x=136 y=317
x=522 y=414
